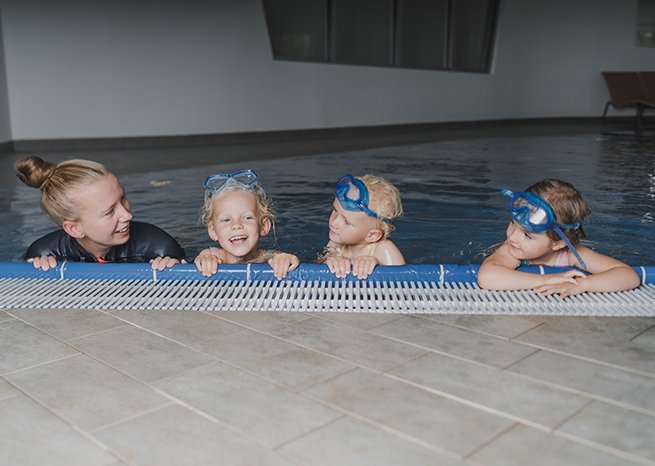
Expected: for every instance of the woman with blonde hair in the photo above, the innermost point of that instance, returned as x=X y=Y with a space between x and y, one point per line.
x=89 y=205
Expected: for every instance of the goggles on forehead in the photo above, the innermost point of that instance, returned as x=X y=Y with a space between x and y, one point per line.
x=535 y=215
x=244 y=179
x=353 y=195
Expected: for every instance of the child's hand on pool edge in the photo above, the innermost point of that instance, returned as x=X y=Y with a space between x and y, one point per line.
x=339 y=266
x=563 y=289
x=282 y=263
x=363 y=266
x=207 y=263
x=44 y=263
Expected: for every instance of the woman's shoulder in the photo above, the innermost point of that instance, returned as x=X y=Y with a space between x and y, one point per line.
x=147 y=241
x=58 y=244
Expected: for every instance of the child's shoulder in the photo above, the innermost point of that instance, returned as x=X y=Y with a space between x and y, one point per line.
x=388 y=253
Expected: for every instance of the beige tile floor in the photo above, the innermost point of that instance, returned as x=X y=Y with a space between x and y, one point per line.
x=85 y=387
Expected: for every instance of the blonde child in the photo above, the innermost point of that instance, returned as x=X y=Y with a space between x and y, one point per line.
x=360 y=225
x=237 y=213
x=88 y=203
x=545 y=229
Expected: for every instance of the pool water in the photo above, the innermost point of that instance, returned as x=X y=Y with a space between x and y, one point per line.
x=450 y=192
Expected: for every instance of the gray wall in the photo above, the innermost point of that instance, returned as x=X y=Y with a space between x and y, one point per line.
x=105 y=68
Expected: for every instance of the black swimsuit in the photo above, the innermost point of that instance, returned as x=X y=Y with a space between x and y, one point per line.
x=146 y=242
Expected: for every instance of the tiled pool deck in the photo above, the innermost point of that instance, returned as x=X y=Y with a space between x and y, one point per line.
x=84 y=387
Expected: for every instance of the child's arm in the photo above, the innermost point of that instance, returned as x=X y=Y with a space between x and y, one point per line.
x=208 y=259
x=282 y=263
x=607 y=274
x=497 y=272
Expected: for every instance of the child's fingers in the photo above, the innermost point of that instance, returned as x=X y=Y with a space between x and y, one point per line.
x=364 y=266
x=278 y=265
x=562 y=290
x=208 y=266
x=282 y=263
x=548 y=290
x=198 y=263
x=212 y=266
x=362 y=269
x=295 y=262
x=339 y=266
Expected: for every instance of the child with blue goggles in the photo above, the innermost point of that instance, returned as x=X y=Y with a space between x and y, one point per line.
x=237 y=213
x=360 y=224
x=545 y=229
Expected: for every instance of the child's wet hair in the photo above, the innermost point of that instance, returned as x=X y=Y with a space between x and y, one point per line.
x=384 y=200
x=57 y=181
x=264 y=207
x=567 y=203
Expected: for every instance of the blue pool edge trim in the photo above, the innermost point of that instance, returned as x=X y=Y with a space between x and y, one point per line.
x=306 y=272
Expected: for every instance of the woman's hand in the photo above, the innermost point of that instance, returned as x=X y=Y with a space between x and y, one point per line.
x=44 y=263
x=161 y=263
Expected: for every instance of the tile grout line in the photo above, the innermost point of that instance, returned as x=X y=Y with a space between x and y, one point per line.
x=85 y=434
x=630 y=340
x=593 y=396
x=431 y=318
x=490 y=441
x=604 y=448
x=473 y=404
x=388 y=429
x=594 y=361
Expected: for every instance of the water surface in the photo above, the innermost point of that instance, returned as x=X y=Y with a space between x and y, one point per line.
x=453 y=210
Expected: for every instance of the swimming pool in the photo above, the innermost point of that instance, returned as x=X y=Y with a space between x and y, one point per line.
x=453 y=210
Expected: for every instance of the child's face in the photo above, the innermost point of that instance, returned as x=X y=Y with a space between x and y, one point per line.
x=235 y=223
x=104 y=215
x=347 y=227
x=523 y=245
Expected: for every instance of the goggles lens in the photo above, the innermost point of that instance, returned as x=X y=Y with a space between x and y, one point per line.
x=353 y=195
x=530 y=216
x=245 y=179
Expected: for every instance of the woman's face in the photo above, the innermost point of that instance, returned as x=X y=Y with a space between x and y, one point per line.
x=104 y=215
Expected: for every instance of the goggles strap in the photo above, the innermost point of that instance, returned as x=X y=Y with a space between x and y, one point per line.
x=568 y=243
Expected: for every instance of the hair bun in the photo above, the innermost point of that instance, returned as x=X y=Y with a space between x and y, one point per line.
x=34 y=171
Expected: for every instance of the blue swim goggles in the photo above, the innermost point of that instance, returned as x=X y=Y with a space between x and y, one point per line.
x=532 y=213
x=244 y=179
x=347 y=188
